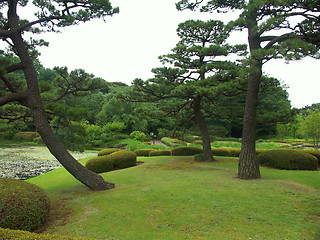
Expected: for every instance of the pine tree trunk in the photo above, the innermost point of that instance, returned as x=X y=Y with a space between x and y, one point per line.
x=248 y=167
x=90 y=179
x=200 y=120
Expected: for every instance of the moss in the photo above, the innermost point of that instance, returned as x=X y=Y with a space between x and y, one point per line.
x=160 y=153
x=108 y=151
x=143 y=152
x=23 y=206
x=26 y=136
x=186 y=151
x=288 y=159
x=8 y=234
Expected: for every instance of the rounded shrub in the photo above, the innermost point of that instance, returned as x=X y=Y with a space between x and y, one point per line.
x=234 y=152
x=23 y=206
x=100 y=164
x=123 y=159
x=199 y=158
x=186 y=151
x=313 y=152
x=138 y=135
x=26 y=136
x=288 y=159
x=38 y=140
x=108 y=151
x=160 y=153
x=143 y=152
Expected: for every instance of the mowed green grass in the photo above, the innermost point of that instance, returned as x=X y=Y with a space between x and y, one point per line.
x=177 y=198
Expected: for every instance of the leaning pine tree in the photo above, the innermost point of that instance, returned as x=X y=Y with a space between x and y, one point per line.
x=50 y=16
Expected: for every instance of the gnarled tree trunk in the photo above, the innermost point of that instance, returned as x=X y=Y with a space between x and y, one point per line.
x=90 y=179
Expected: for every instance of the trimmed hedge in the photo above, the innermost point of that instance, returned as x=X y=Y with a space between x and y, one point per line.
x=173 y=142
x=288 y=159
x=26 y=136
x=220 y=152
x=160 y=153
x=186 y=151
x=116 y=160
x=23 y=206
x=108 y=151
x=315 y=153
x=8 y=234
x=143 y=152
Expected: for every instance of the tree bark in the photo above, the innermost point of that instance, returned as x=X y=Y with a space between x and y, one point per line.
x=248 y=167
x=87 y=177
x=200 y=120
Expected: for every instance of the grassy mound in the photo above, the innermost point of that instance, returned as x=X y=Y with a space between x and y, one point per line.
x=186 y=151
x=23 y=206
x=116 y=160
x=288 y=159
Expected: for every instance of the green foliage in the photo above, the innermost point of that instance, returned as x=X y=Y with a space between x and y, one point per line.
x=38 y=140
x=288 y=159
x=186 y=151
x=138 y=135
x=315 y=153
x=8 y=234
x=116 y=160
x=24 y=206
x=26 y=136
x=160 y=153
x=199 y=158
x=143 y=152
x=108 y=151
x=310 y=125
x=172 y=142
x=100 y=164
x=220 y=152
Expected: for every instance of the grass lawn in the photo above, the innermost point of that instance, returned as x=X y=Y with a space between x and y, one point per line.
x=175 y=198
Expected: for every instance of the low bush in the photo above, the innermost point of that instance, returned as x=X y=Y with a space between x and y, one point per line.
x=315 y=153
x=220 y=152
x=138 y=135
x=199 y=158
x=123 y=159
x=116 y=160
x=26 y=136
x=38 y=140
x=100 y=164
x=172 y=142
x=143 y=152
x=23 y=206
x=160 y=153
x=288 y=159
x=8 y=234
x=108 y=151
x=186 y=151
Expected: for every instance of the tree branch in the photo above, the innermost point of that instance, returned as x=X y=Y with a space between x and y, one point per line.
x=19 y=96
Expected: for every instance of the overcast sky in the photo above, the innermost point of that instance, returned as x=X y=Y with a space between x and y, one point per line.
x=128 y=44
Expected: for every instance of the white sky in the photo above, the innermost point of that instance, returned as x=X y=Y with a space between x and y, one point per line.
x=128 y=44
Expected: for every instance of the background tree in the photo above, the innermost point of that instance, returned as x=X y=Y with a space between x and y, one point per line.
x=197 y=71
x=261 y=18
x=310 y=126
x=50 y=16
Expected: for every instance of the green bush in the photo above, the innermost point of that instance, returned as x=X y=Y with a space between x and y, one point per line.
x=26 y=136
x=100 y=164
x=123 y=159
x=160 y=153
x=143 y=152
x=186 y=151
x=199 y=158
x=138 y=135
x=234 y=152
x=116 y=160
x=108 y=151
x=8 y=234
x=172 y=142
x=315 y=153
x=23 y=206
x=288 y=159
x=220 y=152
x=38 y=140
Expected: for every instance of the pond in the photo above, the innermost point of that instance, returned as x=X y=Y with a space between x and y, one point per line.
x=22 y=162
